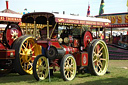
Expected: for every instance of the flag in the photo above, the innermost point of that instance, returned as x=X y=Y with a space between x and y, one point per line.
x=127 y=3
x=25 y=9
x=88 y=10
x=101 y=11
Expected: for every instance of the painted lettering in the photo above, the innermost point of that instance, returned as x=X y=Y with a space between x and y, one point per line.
x=126 y=18
x=119 y=19
x=113 y=19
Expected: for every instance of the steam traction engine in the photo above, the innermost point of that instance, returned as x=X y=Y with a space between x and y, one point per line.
x=68 y=51
x=16 y=49
x=7 y=37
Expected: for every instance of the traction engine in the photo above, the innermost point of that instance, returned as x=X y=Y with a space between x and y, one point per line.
x=16 y=50
x=69 y=54
x=7 y=53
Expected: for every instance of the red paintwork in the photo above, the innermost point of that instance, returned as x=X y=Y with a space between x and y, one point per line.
x=81 y=58
x=70 y=50
x=54 y=63
x=84 y=59
x=10 y=19
x=5 y=54
x=1 y=46
x=81 y=22
x=87 y=38
x=43 y=43
x=70 y=39
x=55 y=44
x=78 y=58
x=9 y=31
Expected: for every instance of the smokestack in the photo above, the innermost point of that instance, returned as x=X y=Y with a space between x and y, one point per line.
x=6 y=4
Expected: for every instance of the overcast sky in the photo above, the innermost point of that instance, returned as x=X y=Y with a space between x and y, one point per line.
x=69 y=6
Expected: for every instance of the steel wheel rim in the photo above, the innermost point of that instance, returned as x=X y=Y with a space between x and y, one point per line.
x=69 y=68
x=26 y=52
x=42 y=68
x=100 y=58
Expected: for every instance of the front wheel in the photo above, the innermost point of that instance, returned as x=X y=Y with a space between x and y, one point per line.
x=40 y=68
x=98 y=58
x=68 y=67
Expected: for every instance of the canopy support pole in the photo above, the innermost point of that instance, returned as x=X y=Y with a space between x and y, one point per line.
x=26 y=28
x=53 y=30
x=47 y=29
x=104 y=30
x=98 y=32
x=34 y=33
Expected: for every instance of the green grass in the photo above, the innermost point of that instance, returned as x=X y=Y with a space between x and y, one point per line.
x=118 y=76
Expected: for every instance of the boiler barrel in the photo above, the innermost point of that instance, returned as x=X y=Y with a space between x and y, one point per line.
x=57 y=53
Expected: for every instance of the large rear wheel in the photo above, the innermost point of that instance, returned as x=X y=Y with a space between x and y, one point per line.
x=98 y=58
x=25 y=51
x=40 y=68
x=68 y=67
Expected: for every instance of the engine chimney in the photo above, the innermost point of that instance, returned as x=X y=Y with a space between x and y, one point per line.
x=6 y=4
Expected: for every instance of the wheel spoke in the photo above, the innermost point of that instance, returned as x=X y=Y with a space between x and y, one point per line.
x=68 y=74
x=29 y=46
x=33 y=46
x=23 y=46
x=22 y=49
x=71 y=72
x=22 y=54
x=30 y=69
x=22 y=58
x=99 y=67
x=103 y=59
x=29 y=59
x=67 y=62
x=100 y=54
x=100 y=63
x=27 y=43
x=95 y=60
x=100 y=50
x=22 y=62
x=94 y=53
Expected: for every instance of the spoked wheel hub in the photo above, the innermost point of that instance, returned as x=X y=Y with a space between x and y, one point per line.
x=68 y=67
x=99 y=57
x=26 y=50
x=40 y=67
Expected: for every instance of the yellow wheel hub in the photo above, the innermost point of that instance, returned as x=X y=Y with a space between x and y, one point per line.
x=27 y=51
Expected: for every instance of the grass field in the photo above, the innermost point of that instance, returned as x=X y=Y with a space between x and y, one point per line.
x=118 y=76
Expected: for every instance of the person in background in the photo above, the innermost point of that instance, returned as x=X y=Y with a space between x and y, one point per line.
x=101 y=36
